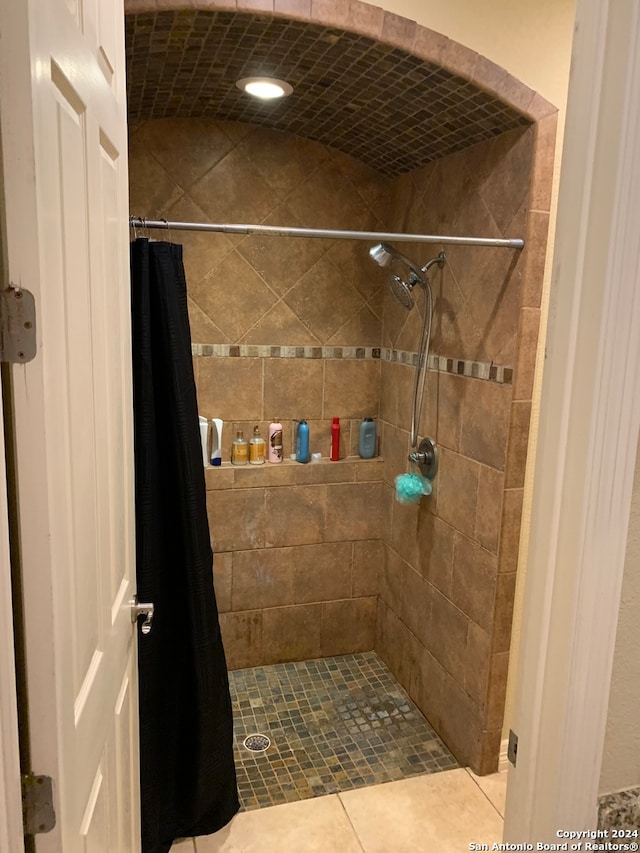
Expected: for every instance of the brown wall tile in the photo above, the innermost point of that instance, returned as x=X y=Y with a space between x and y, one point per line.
x=485 y=422
x=365 y=18
x=458 y=491
x=416 y=605
x=450 y=407
x=291 y=633
x=449 y=627
x=389 y=381
x=510 y=533
x=497 y=691
x=222 y=569
x=263 y=578
x=368 y=565
x=394 y=645
x=322 y=572
x=489 y=508
x=526 y=355
x=435 y=542
x=489 y=752
x=478 y=660
x=236 y=519
x=293 y=8
x=398 y=31
x=242 y=638
x=348 y=626
x=295 y=515
x=503 y=614
x=473 y=584
x=533 y=259
x=219 y=477
x=403 y=532
x=544 y=156
x=293 y=388
x=392 y=580
x=426 y=684
x=517 y=445
x=230 y=388
x=351 y=389
x=394 y=446
x=461 y=723
x=354 y=511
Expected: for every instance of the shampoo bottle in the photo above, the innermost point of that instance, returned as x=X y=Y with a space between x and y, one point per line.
x=256 y=448
x=335 y=440
x=274 y=449
x=302 y=442
x=367 y=443
x=240 y=449
x=216 y=441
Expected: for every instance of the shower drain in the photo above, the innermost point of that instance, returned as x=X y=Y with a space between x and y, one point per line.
x=256 y=743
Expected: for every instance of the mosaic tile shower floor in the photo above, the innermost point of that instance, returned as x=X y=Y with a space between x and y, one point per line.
x=334 y=724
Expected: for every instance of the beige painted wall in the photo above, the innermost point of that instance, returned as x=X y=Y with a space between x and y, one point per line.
x=621 y=760
x=530 y=40
x=533 y=42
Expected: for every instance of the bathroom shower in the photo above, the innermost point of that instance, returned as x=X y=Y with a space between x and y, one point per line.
x=405 y=275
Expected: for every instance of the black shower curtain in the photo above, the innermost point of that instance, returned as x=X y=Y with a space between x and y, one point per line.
x=187 y=774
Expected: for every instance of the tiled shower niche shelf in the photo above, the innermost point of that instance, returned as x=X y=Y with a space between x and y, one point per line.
x=351 y=469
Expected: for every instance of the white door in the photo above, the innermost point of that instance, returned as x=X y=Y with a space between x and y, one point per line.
x=63 y=115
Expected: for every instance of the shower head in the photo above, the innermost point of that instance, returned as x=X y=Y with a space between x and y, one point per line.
x=386 y=256
x=401 y=289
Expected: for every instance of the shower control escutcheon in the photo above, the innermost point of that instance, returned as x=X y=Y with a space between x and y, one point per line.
x=138 y=610
x=426 y=458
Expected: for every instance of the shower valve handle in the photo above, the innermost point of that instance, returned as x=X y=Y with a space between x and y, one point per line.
x=421 y=457
x=426 y=458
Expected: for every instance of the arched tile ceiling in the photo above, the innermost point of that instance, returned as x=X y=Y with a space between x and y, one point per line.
x=390 y=109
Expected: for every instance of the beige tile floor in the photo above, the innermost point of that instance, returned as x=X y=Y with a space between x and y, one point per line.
x=435 y=813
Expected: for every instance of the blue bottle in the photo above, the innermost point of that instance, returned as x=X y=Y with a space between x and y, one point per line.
x=302 y=442
x=367 y=444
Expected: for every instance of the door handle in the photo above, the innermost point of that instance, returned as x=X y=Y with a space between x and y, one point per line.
x=138 y=610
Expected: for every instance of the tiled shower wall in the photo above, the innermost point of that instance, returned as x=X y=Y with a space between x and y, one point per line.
x=307 y=554
x=446 y=595
x=297 y=547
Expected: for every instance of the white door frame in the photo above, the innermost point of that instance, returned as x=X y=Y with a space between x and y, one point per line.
x=590 y=416
x=11 y=838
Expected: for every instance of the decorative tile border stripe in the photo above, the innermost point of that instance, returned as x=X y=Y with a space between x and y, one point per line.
x=457 y=366
x=266 y=351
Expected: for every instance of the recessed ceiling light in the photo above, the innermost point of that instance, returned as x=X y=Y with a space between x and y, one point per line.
x=265 y=88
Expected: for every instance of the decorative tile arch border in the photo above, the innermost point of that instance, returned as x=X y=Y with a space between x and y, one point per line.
x=394 y=30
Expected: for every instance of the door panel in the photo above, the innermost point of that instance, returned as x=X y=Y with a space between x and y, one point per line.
x=66 y=173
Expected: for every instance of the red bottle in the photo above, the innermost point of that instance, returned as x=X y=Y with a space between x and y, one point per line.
x=335 y=440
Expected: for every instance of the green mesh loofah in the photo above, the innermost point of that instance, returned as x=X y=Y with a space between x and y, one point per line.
x=411 y=487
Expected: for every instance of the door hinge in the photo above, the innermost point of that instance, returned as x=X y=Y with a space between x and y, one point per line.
x=512 y=749
x=37 y=804
x=17 y=325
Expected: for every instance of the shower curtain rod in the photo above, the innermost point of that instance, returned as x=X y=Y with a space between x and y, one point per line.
x=281 y=231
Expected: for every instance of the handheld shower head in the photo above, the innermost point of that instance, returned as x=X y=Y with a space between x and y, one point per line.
x=401 y=289
x=386 y=256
